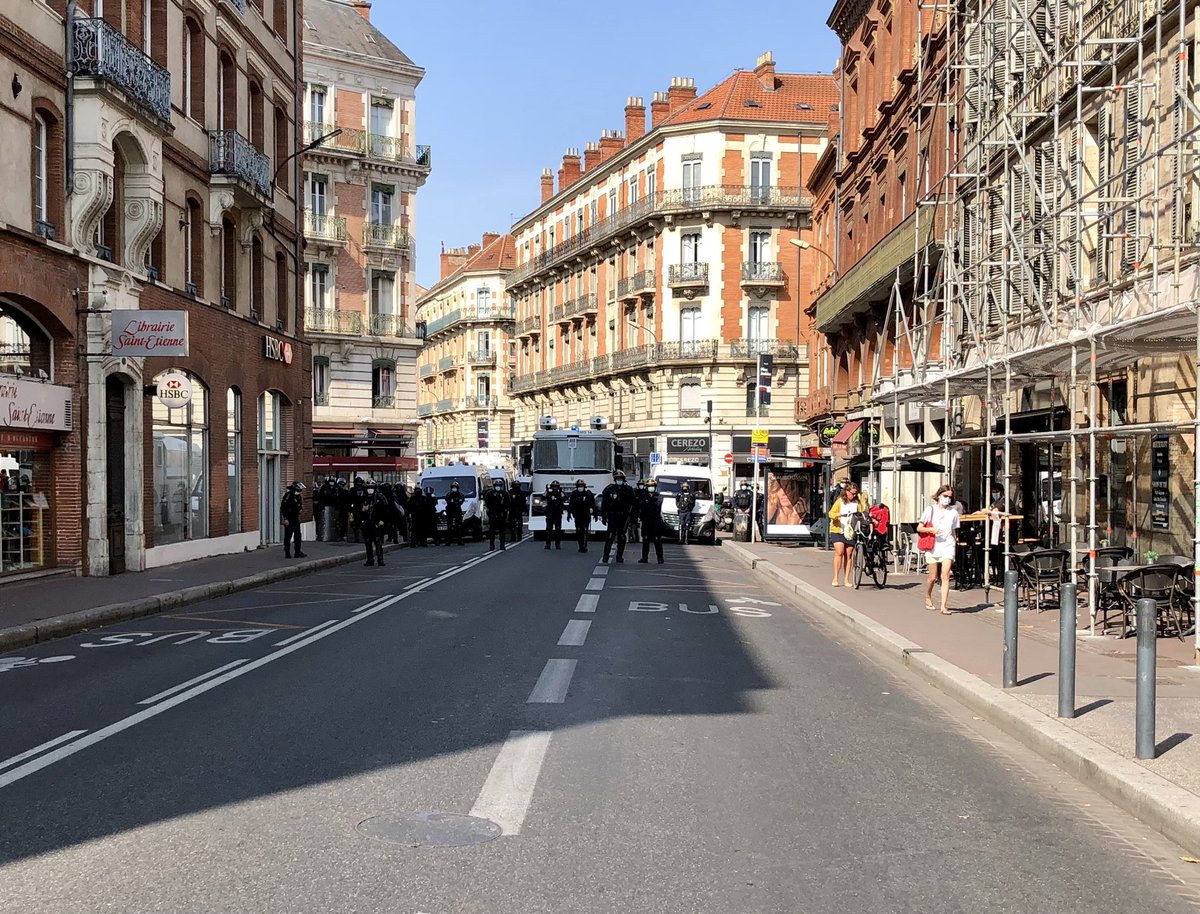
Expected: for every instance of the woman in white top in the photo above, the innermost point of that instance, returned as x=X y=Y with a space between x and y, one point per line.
x=940 y=519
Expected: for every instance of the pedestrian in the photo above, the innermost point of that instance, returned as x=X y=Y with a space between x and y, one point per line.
x=516 y=510
x=581 y=506
x=841 y=532
x=418 y=528
x=498 y=506
x=941 y=521
x=289 y=515
x=454 y=514
x=685 y=505
x=556 y=503
x=376 y=517
x=649 y=509
x=616 y=504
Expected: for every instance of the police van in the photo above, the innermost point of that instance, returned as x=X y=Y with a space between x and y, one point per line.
x=669 y=479
x=472 y=481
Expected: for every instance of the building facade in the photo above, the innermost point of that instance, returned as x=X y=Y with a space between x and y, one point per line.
x=157 y=178
x=467 y=414
x=649 y=281
x=360 y=186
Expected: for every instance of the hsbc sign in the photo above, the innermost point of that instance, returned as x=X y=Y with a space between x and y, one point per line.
x=277 y=350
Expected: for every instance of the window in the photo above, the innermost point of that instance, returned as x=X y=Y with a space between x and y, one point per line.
x=283 y=166
x=689 y=329
x=690 y=247
x=383 y=293
x=229 y=248
x=318 y=286
x=270 y=422
x=760 y=178
x=691 y=181
x=279 y=20
x=227 y=102
x=483 y=387
x=612 y=202
x=381 y=117
x=760 y=247
x=594 y=212
x=902 y=181
x=651 y=183
x=258 y=133
x=483 y=341
x=146 y=27
x=41 y=154
x=257 y=279
x=193 y=70
x=233 y=436
x=758 y=327
x=381 y=205
x=483 y=298
x=633 y=189
x=689 y=399
x=320 y=381
x=383 y=384
x=318 y=195
x=181 y=468
x=193 y=247
x=316 y=105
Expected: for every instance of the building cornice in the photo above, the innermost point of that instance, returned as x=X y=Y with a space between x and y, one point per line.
x=336 y=57
x=846 y=17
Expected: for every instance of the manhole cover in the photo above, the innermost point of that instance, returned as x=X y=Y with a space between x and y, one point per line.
x=431 y=829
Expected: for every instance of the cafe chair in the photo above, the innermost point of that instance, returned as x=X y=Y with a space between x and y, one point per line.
x=1164 y=584
x=1041 y=574
x=912 y=558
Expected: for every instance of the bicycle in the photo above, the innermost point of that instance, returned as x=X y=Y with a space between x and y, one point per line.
x=870 y=553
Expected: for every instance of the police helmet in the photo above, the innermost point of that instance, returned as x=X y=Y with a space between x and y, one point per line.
x=619 y=474
x=454 y=486
x=555 y=485
x=386 y=488
x=580 y=484
x=651 y=483
x=298 y=486
x=496 y=483
x=686 y=487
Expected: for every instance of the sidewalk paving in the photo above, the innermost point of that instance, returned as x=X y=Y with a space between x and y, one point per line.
x=54 y=606
x=963 y=655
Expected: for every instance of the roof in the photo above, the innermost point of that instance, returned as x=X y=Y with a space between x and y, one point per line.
x=337 y=24
x=499 y=256
x=802 y=98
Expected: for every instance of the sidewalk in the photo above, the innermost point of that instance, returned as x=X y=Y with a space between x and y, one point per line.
x=44 y=608
x=962 y=654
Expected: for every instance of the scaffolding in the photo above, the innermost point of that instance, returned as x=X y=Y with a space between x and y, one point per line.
x=1057 y=247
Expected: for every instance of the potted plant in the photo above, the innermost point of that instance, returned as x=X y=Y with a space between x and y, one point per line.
x=1151 y=556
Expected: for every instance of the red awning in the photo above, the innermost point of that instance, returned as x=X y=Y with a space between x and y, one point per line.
x=841 y=441
x=393 y=464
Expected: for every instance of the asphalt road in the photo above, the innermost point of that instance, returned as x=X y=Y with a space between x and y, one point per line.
x=637 y=738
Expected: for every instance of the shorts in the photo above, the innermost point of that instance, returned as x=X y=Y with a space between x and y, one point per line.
x=932 y=559
x=840 y=538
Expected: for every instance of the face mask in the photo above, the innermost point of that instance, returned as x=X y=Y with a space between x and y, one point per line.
x=944 y=501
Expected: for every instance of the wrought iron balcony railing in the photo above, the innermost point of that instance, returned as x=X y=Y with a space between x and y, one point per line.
x=486 y=314
x=234 y=156
x=443 y=406
x=382 y=401
x=101 y=51
x=323 y=227
x=330 y=320
x=687 y=274
x=426 y=371
x=634 y=285
x=424 y=409
x=530 y=326
x=446 y=363
x=479 y=403
x=482 y=357
x=386 y=237
x=585 y=304
x=762 y=273
x=321 y=399
x=356 y=141
x=390 y=325
x=752 y=348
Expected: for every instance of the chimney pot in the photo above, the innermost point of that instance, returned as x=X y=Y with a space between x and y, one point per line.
x=363 y=7
x=591 y=157
x=764 y=69
x=635 y=118
x=570 y=171
x=660 y=109
x=547 y=184
x=682 y=91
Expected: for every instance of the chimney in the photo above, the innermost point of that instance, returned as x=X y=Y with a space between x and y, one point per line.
x=570 y=172
x=635 y=118
x=452 y=259
x=547 y=184
x=682 y=91
x=591 y=157
x=489 y=238
x=472 y=250
x=363 y=7
x=765 y=71
x=611 y=142
x=660 y=109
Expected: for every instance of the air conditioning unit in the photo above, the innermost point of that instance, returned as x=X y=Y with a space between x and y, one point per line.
x=547 y=423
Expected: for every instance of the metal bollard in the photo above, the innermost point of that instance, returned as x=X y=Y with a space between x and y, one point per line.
x=1010 y=629
x=1066 y=650
x=1147 y=645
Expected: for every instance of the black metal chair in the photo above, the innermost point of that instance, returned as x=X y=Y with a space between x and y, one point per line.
x=1162 y=584
x=1041 y=575
x=1106 y=557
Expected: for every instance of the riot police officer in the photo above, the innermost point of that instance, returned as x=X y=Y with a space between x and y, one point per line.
x=649 y=510
x=342 y=504
x=325 y=497
x=356 y=506
x=454 y=514
x=497 y=503
x=516 y=510
x=400 y=499
x=743 y=498
x=377 y=517
x=289 y=514
x=633 y=534
x=418 y=520
x=581 y=506
x=556 y=503
x=685 y=505
x=616 y=504
x=392 y=530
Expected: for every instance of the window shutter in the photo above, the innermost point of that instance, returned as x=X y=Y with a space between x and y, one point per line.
x=1131 y=242
x=1074 y=227
x=995 y=312
x=1103 y=227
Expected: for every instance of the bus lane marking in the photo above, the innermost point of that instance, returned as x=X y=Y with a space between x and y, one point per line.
x=191 y=682
x=552 y=685
x=575 y=634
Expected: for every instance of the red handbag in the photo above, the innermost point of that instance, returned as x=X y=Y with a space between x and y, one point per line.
x=925 y=542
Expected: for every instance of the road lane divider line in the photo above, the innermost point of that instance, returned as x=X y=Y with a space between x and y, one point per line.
x=98 y=736
x=508 y=791
x=595 y=584
x=601 y=570
x=49 y=744
x=417 y=583
x=304 y=634
x=552 y=685
x=587 y=603
x=575 y=634
x=370 y=605
x=191 y=682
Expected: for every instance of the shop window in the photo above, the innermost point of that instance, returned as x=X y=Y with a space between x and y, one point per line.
x=181 y=479
x=24 y=506
x=233 y=435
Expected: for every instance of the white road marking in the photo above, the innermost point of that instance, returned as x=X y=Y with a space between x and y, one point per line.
x=508 y=790
x=49 y=744
x=595 y=584
x=601 y=570
x=191 y=682
x=305 y=633
x=552 y=685
x=372 y=604
x=587 y=603
x=420 y=582
x=91 y=739
x=575 y=634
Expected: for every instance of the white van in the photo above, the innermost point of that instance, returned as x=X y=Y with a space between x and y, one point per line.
x=506 y=478
x=472 y=482
x=670 y=478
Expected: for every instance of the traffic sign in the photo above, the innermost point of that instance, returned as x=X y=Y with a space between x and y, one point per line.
x=655 y=458
x=729 y=459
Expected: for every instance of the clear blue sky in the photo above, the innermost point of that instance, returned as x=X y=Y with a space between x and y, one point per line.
x=509 y=86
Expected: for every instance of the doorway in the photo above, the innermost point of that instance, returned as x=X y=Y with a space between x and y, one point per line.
x=114 y=412
x=268 y=483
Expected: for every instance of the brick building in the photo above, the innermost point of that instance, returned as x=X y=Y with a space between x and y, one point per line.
x=652 y=276
x=360 y=188
x=161 y=183
x=467 y=414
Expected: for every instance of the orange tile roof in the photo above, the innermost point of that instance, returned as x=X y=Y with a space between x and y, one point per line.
x=800 y=98
x=500 y=255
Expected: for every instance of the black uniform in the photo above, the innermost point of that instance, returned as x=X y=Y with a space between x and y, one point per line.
x=342 y=504
x=325 y=497
x=742 y=500
x=400 y=499
x=454 y=516
x=431 y=515
x=289 y=514
x=497 y=504
x=392 y=530
x=377 y=516
x=685 y=504
x=418 y=519
x=516 y=511
x=357 y=502
x=556 y=503
x=581 y=505
x=649 y=510
x=616 y=504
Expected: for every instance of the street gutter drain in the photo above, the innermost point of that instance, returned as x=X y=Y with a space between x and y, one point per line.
x=431 y=829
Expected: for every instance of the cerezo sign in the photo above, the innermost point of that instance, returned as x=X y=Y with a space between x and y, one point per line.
x=687 y=444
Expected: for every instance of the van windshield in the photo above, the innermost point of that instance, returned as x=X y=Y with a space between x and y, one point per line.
x=670 y=486
x=574 y=455
x=441 y=485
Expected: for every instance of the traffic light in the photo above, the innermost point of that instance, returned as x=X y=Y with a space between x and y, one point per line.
x=766 y=367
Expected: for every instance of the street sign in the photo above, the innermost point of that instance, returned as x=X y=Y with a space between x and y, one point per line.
x=759 y=453
x=758 y=436
x=766 y=368
x=174 y=390
x=655 y=458
x=729 y=459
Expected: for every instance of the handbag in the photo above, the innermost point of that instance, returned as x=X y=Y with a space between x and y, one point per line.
x=925 y=540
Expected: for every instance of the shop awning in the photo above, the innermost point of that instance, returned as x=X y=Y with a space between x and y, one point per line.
x=840 y=444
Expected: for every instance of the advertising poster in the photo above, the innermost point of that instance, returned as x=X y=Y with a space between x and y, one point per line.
x=789 y=508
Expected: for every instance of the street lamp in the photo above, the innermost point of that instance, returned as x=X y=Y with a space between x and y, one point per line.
x=336 y=131
x=805 y=245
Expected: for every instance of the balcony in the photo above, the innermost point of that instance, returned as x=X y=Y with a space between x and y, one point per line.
x=330 y=320
x=479 y=403
x=582 y=306
x=689 y=351
x=425 y=409
x=350 y=141
x=389 y=238
x=394 y=150
x=482 y=357
x=447 y=363
x=103 y=53
x=633 y=286
x=427 y=371
x=233 y=156
x=530 y=326
x=383 y=402
x=558 y=314
x=491 y=314
x=749 y=349
x=390 y=325
x=443 y=406
x=688 y=277
x=324 y=229
x=762 y=275
x=239 y=5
